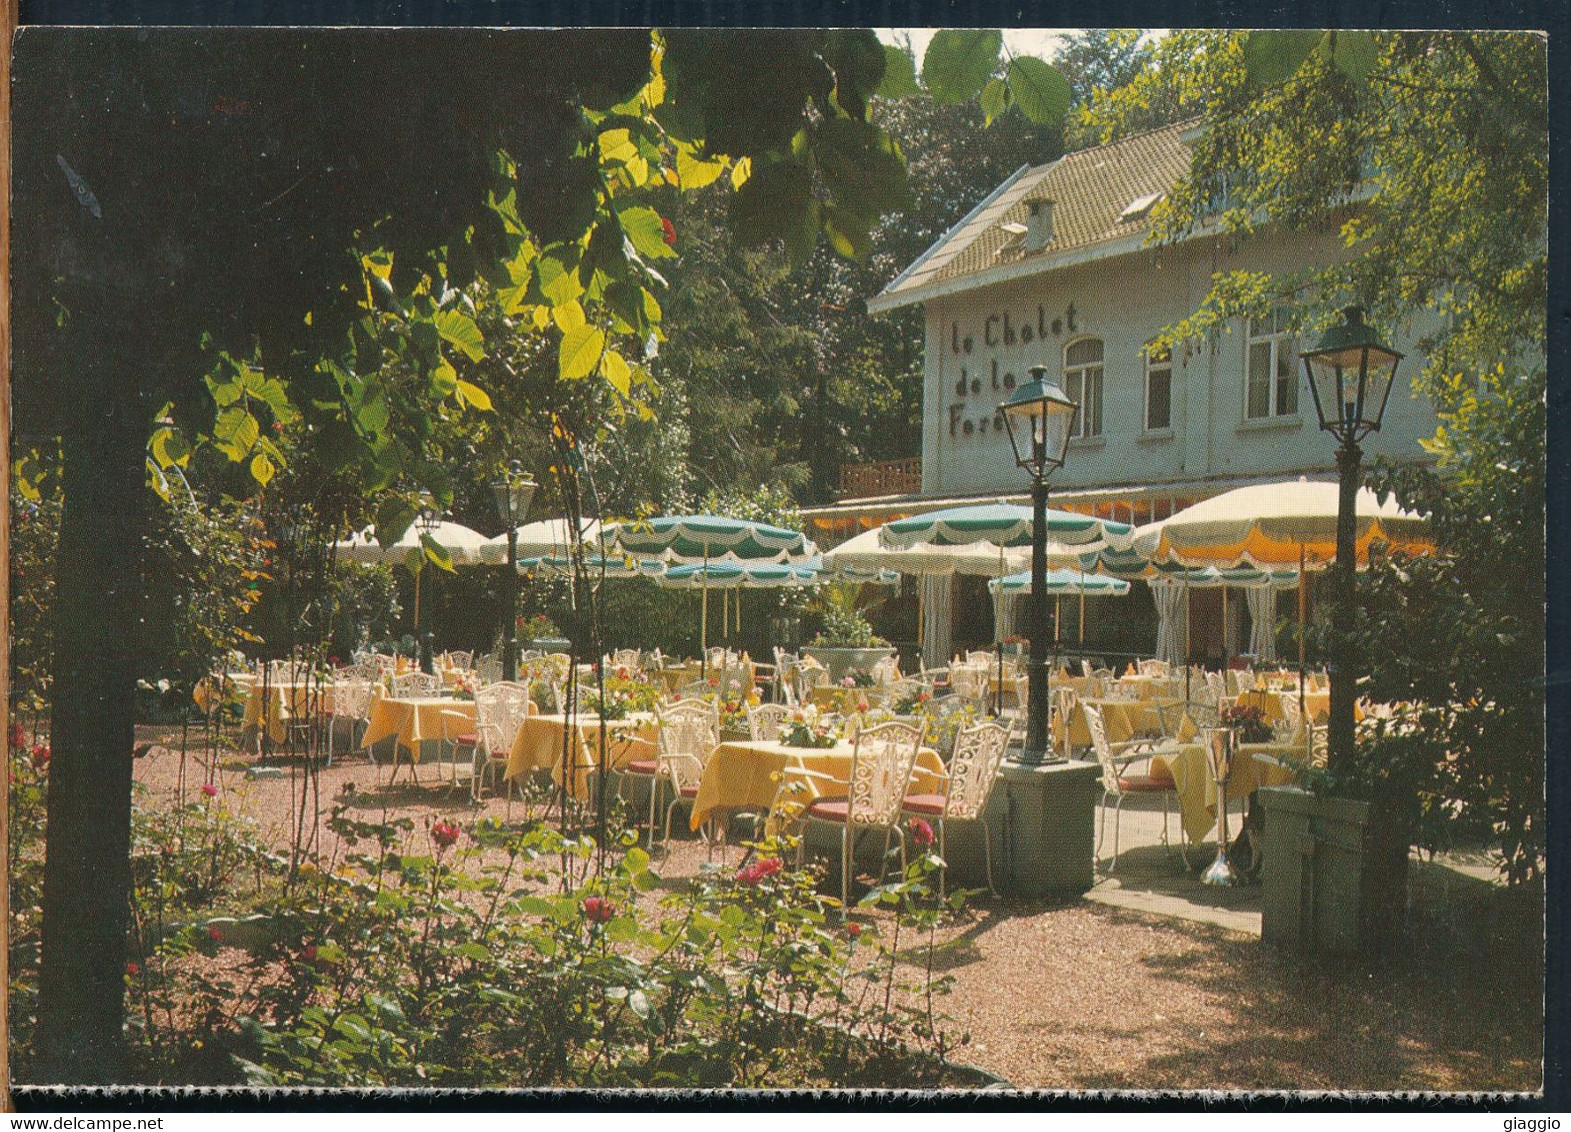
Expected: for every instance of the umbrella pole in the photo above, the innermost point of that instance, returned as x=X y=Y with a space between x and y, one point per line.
x=1186 y=642
x=1303 y=601
x=998 y=637
x=1224 y=632
x=1082 y=618
x=703 y=623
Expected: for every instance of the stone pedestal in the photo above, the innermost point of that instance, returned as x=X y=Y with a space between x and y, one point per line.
x=1334 y=873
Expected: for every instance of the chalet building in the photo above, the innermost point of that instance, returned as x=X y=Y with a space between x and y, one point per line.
x=1053 y=268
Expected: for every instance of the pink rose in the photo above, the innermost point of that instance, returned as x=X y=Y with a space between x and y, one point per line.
x=444 y=833
x=209 y=789
x=598 y=910
x=921 y=833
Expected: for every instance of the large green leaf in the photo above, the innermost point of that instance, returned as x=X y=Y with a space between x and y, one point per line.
x=959 y=63
x=436 y=552
x=994 y=100
x=580 y=351
x=460 y=330
x=899 y=79
x=693 y=172
x=647 y=232
x=1355 y=53
x=1039 y=89
x=1272 y=56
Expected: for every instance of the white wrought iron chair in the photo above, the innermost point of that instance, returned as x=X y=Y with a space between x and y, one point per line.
x=500 y=710
x=415 y=685
x=1117 y=785
x=765 y=722
x=881 y=765
x=973 y=770
x=689 y=733
x=351 y=700
x=463 y=659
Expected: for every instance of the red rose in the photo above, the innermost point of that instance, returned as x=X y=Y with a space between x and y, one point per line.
x=758 y=870
x=853 y=930
x=41 y=757
x=215 y=935
x=18 y=736
x=921 y=833
x=209 y=789
x=133 y=968
x=444 y=833
x=597 y=909
x=668 y=231
x=308 y=953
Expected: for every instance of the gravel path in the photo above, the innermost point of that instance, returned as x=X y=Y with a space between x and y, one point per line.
x=1079 y=995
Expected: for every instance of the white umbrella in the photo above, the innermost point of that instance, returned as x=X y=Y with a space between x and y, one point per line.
x=461 y=544
x=544 y=537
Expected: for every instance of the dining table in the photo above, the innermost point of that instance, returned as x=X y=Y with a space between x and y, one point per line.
x=746 y=775
x=539 y=743
x=410 y=720
x=281 y=703
x=1192 y=776
x=1317 y=705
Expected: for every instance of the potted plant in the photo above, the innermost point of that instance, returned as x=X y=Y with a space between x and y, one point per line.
x=540 y=632
x=845 y=640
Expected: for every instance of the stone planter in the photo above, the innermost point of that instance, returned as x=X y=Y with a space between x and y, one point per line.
x=1334 y=873
x=839 y=661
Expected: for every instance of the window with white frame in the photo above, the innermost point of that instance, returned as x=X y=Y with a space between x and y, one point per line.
x=1083 y=383
x=1159 y=390
x=1271 y=383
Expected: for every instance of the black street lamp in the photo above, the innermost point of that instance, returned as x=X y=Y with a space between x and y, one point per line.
x=426 y=524
x=1350 y=375
x=513 y=491
x=1040 y=418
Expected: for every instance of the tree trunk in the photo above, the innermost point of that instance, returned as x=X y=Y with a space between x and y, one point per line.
x=87 y=868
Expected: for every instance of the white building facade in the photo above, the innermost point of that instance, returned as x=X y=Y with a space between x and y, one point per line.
x=1054 y=269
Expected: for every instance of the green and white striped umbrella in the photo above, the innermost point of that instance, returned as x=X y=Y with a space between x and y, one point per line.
x=1063 y=582
x=610 y=567
x=733 y=576
x=700 y=539
x=703 y=540
x=1006 y=525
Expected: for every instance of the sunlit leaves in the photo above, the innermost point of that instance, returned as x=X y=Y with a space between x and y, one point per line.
x=1273 y=55
x=471 y=394
x=958 y=63
x=460 y=330
x=580 y=352
x=1038 y=89
x=899 y=79
x=693 y=171
x=646 y=230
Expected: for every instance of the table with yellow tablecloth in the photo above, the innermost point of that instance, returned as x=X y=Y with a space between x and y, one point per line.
x=284 y=702
x=1125 y=720
x=538 y=745
x=411 y=719
x=1317 y=705
x=205 y=693
x=745 y=775
x=1191 y=773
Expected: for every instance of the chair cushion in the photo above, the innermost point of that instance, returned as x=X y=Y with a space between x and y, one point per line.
x=689 y=791
x=1145 y=784
x=830 y=809
x=924 y=804
x=468 y=739
x=643 y=766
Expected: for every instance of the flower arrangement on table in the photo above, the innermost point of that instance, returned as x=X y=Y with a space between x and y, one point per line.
x=624 y=696
x=465 y=685
x=808 y=727
x=733 y=711
x=1250 y=723
x=914 y=703
x=857 y=678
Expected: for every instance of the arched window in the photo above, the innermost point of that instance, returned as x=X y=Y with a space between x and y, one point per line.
x=1083 y=383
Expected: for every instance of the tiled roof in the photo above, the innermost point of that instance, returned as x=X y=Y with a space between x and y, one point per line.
x=1090 y=190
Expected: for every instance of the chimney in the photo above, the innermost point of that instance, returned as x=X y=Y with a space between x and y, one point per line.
x=1039 y=225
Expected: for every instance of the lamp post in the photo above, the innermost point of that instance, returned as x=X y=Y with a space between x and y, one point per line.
x=426 y=524
x=1350 y=375
x=1040 y=419
x=513 y=491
